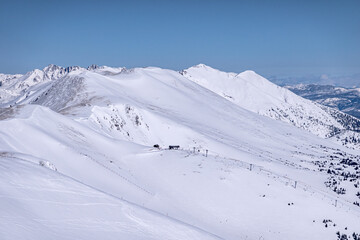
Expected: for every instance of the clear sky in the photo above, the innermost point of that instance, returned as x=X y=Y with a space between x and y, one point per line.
x=271 y=37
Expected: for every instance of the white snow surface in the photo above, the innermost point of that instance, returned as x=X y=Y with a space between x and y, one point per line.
x=77 y=162
x=255 y=93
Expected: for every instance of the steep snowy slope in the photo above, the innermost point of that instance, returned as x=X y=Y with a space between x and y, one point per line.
x=38 y=203
x=255 y=93
x=99 y=129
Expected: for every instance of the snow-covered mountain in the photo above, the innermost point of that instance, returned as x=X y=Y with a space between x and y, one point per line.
x=16 y=88
x=255 y=93
x=78 y=160
x=8 y=77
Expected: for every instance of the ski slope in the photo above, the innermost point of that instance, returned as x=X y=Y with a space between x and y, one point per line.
x=38 y=203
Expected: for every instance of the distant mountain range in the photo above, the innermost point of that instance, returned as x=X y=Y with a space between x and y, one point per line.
x=346 y=100
x=348 y=81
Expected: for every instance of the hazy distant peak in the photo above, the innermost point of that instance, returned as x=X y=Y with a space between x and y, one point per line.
x=201 y=65
x=93 y=67
x=52 y=67
x=252 y=77
x=249 y=73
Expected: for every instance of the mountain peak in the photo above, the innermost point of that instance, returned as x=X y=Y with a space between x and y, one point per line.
x=203 y=66
x=249 y=72
x=93 y=67
x=200 y=69
x=51 y=68
x=250 y=75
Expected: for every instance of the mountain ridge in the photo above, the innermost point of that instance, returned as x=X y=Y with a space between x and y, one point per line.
x=257 y=94
x=236 y=174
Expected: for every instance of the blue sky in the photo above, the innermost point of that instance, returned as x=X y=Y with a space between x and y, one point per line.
x=270 y=37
